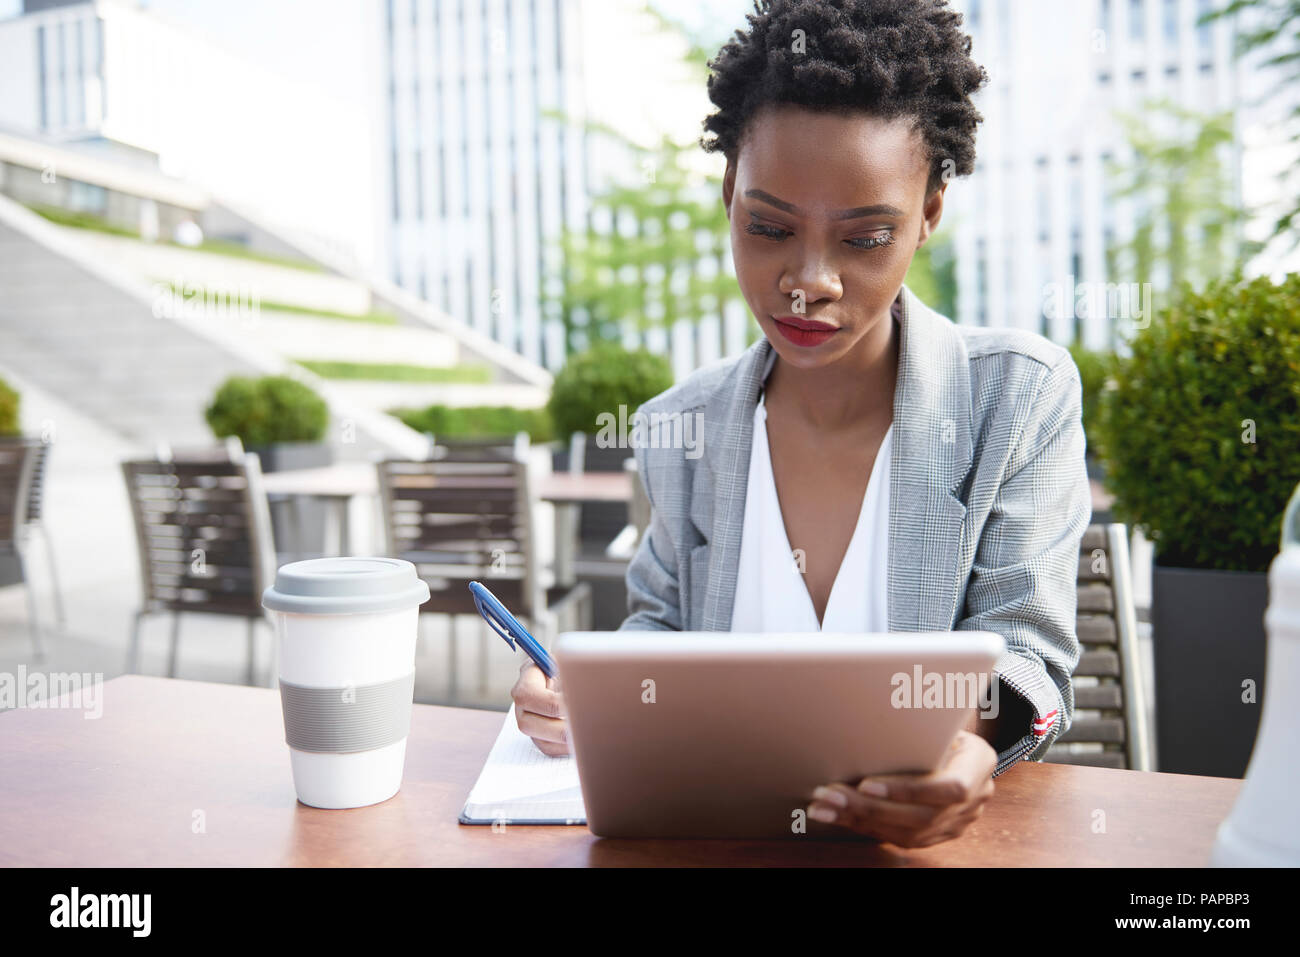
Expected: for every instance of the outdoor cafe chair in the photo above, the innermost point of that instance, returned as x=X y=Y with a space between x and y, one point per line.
x=21 y=461
x=463 y=521
x=203 y=529
x=1110 y=718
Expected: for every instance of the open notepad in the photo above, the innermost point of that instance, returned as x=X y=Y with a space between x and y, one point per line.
x=520 y=785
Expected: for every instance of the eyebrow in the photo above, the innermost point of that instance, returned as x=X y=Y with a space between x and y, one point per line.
x=880 y=209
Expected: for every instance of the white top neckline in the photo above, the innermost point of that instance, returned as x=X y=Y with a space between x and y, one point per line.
x=771 y=593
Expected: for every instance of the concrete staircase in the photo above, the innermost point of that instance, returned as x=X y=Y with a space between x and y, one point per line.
x=102 y=351
x=81 y=327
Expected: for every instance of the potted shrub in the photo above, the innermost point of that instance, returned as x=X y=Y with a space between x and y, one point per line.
x=1094 y=368
x=284 y=422
x=277 y=417
x=598 y=381
x=1200 y=433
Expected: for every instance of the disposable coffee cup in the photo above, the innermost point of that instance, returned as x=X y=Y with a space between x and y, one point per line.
x=347 y=629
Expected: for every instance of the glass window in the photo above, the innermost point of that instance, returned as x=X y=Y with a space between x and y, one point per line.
x=1136 y=21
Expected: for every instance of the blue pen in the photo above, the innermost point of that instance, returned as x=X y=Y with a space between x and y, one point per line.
x=495 y=613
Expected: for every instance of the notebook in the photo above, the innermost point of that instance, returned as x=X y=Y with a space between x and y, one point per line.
x=520 y=785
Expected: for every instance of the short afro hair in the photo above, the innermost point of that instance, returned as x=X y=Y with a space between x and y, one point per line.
x=887 y=58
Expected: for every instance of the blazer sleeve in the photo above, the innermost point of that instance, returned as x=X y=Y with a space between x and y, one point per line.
x=653 y=600
x=1023 y=583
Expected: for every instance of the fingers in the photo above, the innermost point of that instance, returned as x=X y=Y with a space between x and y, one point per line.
x=536 y=693
x=965 y=775
x=539 y=711
x=917 y=810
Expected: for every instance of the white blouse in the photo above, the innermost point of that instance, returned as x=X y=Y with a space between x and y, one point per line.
x=771 y=594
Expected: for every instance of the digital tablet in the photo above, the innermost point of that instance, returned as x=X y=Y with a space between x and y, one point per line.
x=720 y=734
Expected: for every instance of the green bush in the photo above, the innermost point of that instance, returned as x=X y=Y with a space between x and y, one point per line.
x=600 y=380
x=1094 y=368
x=1176 y=427
x=485 y=421
x=267 y=410
x=10 y=423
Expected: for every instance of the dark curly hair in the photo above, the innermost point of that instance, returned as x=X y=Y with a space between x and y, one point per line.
x=888 y=58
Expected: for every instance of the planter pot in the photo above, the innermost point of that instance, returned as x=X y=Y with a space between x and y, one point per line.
x=285 y=456
x=1208 y=637
x=299 y=527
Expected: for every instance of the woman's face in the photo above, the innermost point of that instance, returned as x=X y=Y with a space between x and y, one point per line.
x=831 y=205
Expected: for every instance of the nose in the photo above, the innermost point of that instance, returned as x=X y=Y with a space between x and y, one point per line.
x=815 y=274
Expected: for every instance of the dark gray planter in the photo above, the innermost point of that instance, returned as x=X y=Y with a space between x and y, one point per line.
x=285 y=456
x=1208 y=637
x=299 y=528
x=600 y=522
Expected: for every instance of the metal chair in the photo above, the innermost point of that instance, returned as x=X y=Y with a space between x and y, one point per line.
x=1110 y=719
x=19 y=460
x=479 y=449
x=458 y=521
x=204 y=534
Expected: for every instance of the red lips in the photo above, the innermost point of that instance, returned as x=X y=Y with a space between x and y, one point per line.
x=801 y=323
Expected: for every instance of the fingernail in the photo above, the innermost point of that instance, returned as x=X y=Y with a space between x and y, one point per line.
x=874 y=788
x=820 y=813
x=831 y=796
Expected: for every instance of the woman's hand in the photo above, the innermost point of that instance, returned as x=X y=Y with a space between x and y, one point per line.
x=918 y=810
x=539 y=710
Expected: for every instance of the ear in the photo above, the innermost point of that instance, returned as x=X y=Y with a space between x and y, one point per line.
x=931 y=213
x=728 y=188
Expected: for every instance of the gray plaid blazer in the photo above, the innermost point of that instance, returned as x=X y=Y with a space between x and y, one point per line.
x=989 y=503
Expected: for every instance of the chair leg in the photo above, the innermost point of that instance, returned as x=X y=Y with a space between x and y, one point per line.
x=273 y=676
x=59 y=615
x=33 y=613
x=452 y=690
x=252 y=652
x=133 y=652
x=176 y=640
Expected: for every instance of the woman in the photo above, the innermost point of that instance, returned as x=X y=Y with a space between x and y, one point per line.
x=867 y=465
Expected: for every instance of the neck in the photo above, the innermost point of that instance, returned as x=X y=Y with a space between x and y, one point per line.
x=852 y=393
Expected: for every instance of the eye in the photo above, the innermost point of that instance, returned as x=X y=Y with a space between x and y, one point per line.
x=776 y=235
x=872 y=242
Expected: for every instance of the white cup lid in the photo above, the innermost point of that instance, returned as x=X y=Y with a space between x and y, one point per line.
x=345 y=586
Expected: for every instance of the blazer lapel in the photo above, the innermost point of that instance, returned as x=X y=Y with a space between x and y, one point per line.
x=932 y=449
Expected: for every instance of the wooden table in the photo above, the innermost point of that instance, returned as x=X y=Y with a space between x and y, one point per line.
x=125 y=790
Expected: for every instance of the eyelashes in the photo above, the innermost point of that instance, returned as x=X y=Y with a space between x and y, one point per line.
x=777 y=235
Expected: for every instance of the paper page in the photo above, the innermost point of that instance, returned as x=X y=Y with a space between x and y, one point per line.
x=520 y=783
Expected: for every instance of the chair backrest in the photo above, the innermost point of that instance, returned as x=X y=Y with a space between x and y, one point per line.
x=480 y=449
x=203 y=529
x=229 y=449
x=18 y=462
x=1109 y=727
x=459 y=522
x=36 y=486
